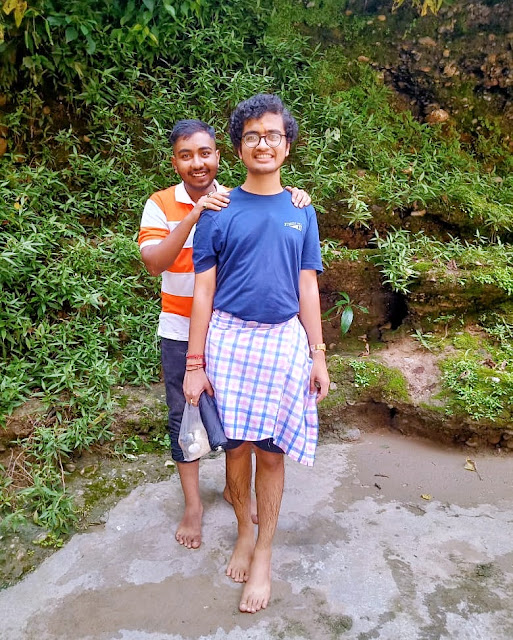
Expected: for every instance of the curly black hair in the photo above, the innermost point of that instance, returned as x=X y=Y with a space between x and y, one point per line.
x=187 y=128
x=255 y=107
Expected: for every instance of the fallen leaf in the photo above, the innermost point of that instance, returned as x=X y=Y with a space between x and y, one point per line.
x=470 y=465
x=426 y=496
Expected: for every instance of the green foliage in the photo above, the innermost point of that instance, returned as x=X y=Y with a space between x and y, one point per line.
x=476 y=389
x=344 y=308
x=485 y=262
x=92 y=89
x=422 y=6
x=333 y=251
x=389 y=383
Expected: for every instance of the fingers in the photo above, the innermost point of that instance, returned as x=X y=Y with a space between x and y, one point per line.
x=304 y=199
x=322 y=389
x=215 y=201
x=299 y=197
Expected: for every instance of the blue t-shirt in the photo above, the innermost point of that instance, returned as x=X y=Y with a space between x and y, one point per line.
x=259 y=245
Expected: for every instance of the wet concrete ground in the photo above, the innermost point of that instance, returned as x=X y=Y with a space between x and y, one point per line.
x=359 y=554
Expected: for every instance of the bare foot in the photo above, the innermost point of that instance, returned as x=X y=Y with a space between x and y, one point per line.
x=254 y=515
x=189 y=529
x=257 y=590
x=238 y=567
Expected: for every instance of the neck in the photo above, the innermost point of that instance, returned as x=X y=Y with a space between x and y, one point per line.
x=263 y=185
x=195 y=194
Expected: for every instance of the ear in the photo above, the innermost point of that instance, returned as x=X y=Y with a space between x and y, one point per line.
x=173 y=161
x=287 y=149
x=239 y=152
x=218 y=156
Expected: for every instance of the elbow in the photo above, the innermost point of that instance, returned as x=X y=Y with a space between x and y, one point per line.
x=151 y=267
x=153 y=271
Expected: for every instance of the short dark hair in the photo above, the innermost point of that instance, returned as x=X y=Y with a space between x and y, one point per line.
x=255 y=107
x=187 y=128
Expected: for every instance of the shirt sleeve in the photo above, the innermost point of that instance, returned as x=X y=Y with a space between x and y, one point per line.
x=311 y=255
x=154 y=226
x=206 y=242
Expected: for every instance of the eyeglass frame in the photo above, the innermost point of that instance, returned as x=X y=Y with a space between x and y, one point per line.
x=270 y=133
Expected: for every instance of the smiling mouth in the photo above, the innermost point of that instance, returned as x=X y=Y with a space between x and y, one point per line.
x=199 y=174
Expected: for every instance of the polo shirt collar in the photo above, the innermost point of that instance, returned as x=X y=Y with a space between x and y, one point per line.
x=182 y=196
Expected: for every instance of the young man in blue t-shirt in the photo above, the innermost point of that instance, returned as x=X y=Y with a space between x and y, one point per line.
x=256 y=265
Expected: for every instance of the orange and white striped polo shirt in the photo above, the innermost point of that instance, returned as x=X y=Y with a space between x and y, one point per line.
x=162 y=213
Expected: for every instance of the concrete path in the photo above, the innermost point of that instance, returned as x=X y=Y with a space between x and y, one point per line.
x=359 y=554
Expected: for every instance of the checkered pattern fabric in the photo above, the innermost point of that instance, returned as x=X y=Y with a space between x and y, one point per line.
x=260 y=374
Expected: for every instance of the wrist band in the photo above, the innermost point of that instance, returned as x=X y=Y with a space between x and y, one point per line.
x=317 y=347
x=197 y=356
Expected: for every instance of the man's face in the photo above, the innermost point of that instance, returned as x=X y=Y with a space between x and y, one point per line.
x=196 y=161
x=264 y=159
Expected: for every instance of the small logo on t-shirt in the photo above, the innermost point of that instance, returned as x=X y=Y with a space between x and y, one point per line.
x=295 y=225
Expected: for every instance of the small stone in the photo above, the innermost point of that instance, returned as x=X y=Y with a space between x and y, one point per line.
x=509 y=444
x=310 y=5
x=450 y=70
x=427 y=42
x=333 y=386
x=446 y=53
x=363 y=59
x=46 y=110
x=436 y=116
x=349 y=12
x=351 y=435
x=494 y=438
x=425 y=69
x=382 y=18
x=3 y=448
x=70 y=467
x=169 y=463
x=332 y=346
x=495 y=380
x=472 y=442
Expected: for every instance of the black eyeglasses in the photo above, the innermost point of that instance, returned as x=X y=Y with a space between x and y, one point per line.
x=252 y=140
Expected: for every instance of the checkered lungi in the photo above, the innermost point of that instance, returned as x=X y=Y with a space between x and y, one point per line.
x=261 y=378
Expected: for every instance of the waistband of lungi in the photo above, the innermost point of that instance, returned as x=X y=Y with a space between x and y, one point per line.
x=229 y=320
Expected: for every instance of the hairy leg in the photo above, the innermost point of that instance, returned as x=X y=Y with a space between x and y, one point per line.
x=238 y=476
x=188 y=532
x=269 y=479
x=227 y=496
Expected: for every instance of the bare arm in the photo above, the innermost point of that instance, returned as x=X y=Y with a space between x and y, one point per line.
x=195 y=382
x=159 y=257
x=310 y=317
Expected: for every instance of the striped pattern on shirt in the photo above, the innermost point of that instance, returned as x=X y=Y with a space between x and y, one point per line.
x=260 y=374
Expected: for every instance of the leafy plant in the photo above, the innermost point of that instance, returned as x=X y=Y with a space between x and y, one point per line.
x=344 y=308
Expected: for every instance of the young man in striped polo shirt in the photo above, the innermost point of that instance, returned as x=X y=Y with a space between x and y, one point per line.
x=165 y=239
x=256 y=317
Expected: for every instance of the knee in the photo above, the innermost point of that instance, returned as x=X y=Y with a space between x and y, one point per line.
x=270 y=461
x=242 y=451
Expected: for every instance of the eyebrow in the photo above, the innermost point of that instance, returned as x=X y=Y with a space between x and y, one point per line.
x=268 y=131
x=200 y=149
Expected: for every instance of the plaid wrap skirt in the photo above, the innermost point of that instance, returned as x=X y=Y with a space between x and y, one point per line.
x=260 y=374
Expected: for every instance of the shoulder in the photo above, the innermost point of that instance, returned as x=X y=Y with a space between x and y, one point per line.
x=165 y=197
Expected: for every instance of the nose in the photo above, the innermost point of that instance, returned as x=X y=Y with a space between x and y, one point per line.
x=197 y=161
x=262 y=143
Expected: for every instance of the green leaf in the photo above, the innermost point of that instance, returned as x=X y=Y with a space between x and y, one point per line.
x=91 y=45
x=71 y=34
x=346 y=319
x=169 y=8
x=150 y=4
